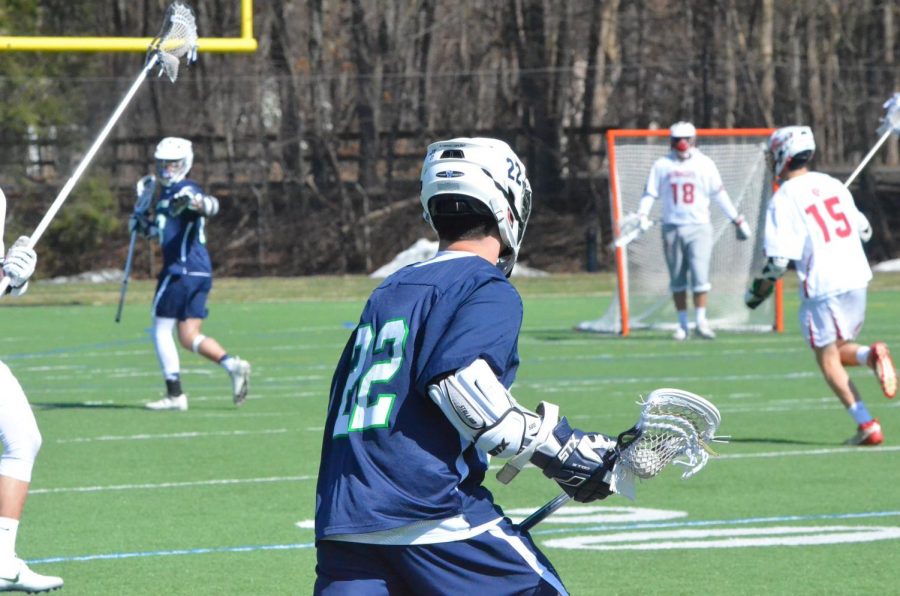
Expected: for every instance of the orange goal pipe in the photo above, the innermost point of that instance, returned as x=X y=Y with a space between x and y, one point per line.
x=622 y=284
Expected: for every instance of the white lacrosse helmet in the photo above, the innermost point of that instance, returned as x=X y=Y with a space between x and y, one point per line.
x=489 y=172
x=174 y=158
x=682 y=136
x=788 y=142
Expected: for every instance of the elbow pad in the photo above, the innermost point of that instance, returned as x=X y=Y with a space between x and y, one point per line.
x=484 y=412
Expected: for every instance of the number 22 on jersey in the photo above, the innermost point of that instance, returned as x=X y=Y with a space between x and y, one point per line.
x=376 y=359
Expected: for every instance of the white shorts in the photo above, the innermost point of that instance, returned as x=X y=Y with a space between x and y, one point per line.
x=688 y=249
x=18 y=429
x=826 y=320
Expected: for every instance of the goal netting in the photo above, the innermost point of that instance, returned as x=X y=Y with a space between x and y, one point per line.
x=642 y=299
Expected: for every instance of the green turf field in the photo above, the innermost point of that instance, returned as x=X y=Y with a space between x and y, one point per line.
x=219 y=500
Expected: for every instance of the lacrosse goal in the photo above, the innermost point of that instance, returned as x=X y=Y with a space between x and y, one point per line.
x=642 y=299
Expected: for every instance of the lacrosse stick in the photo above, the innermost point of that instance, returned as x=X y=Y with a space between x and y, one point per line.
x=890 y=124
x=629 y=229
x=145 y=189
x=674 y=426
x=177 y=38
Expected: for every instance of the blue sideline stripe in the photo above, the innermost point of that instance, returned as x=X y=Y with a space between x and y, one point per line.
x=169 y=553
x=713 y=522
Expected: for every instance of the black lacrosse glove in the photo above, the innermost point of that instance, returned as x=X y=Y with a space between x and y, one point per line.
x=759 y=290
x=582 y=463
x=142 y=224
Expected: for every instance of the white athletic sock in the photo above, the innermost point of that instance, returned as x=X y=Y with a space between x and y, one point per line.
x=860 y=413
x=166 y=350
x=227 y=362
x=700 y=314
x=8 y=529
x=862 y=355
x=683 y=319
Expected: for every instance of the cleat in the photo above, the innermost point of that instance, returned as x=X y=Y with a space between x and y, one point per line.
x=15 y=576
x=680 y=334
x=880 y=361
x=705 y=331
x=868 y=433
x=179 y=403
x=240 y=379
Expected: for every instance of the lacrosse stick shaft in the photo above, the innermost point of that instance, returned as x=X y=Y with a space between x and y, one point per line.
x=868 y=157
x=544 y=512
x=85 y=162
x=126 y=275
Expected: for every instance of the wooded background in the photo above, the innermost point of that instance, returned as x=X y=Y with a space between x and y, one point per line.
x=314 y=143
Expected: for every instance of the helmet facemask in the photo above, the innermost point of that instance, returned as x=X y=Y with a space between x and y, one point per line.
x=174 y=158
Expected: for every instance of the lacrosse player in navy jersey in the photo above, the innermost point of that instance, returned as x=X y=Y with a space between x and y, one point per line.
x=20 y=436
x=420 y=399
x=185 y=280
x=813 y=221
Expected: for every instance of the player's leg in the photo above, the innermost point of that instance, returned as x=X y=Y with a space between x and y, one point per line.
x=21 y=442
x=192 y=338
x=516 y=565
x=699 y=254
x=828 y=326
x=349 y=569
x=678 y=283
x=166 y=305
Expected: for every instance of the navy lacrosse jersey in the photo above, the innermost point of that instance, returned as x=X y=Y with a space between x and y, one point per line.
x=390 y=457
x=182 y=236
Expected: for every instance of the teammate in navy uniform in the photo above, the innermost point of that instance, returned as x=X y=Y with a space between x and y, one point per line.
x=420 y=399
x=185 y=280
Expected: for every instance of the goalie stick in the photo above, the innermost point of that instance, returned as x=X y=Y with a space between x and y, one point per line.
x=177 y=39
x=674 y=426
x=630 y=229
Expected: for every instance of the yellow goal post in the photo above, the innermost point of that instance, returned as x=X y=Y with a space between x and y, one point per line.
x=246 y=43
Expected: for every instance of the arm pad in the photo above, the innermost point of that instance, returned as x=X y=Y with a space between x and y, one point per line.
x=483 y=411
x=775 y=268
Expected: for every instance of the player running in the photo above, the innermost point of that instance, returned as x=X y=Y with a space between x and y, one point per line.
x=684 y=180
x=20 y=436
x=813 y=221
x=185 y=279
x=419 y=400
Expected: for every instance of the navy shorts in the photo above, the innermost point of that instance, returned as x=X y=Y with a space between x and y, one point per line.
x=499 y=561
x=182 y=297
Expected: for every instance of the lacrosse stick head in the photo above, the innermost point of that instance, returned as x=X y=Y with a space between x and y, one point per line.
x=891 y=120
x=176 y=39
x=674 y=426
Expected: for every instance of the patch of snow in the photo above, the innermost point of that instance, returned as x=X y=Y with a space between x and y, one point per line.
x=423 y=249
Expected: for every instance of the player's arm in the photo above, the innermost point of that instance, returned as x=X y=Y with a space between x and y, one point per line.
x=192 y=199
x=484 y=412
x=742 y=229
x=18 y=266
x=762 y=286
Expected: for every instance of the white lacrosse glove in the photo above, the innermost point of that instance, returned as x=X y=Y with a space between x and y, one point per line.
x=186 y=198
x=19 y=264
x=891 y=119
x=742 y=229
x=645 y=222
x=865 y=228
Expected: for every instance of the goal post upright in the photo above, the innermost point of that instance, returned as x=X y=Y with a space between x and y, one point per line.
x=745 y=177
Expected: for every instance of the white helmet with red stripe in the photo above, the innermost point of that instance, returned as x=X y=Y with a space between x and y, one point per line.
x=787 y=144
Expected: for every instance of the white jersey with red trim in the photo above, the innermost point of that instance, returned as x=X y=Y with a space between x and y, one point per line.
x=813 y=221
x=685 y=188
